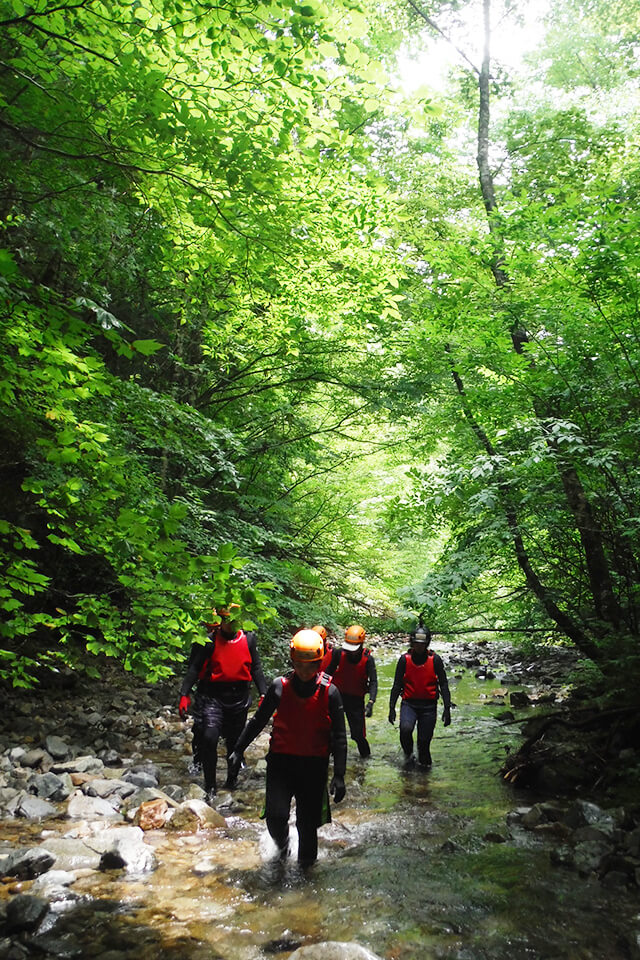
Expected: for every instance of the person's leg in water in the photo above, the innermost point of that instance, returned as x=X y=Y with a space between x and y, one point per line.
x=279 y=792
x=311 y=784
x=354 y=712
x=195 y=767
x=213 y=718
x=426 y=726
x=408 y=719
x=234 y=720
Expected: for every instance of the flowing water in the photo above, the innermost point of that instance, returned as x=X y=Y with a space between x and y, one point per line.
x=411 y=867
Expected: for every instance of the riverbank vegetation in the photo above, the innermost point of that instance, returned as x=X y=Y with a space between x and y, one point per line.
x=277 y=331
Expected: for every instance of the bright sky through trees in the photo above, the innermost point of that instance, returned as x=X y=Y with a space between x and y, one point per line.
x=513 y=36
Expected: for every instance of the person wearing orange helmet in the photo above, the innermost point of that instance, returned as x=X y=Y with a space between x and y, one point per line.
x=223 y=668
x=327 y=645
x=308 y=727
x=353 y=671
x=420 y=679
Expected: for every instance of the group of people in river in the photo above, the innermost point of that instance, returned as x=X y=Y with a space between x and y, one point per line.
x=308 y=705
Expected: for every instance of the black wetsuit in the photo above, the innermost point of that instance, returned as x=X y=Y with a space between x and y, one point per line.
x=419 y=711
x=292 y=775
x=220 y=708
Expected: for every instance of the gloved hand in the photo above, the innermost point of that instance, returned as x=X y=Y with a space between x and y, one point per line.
x=392 y=714
x=446 y=716
x=337 y=788
x=183 y=706
x=260 y=699
x=368 y=710
x=234 y=762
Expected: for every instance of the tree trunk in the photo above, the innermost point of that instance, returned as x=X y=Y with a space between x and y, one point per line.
x=605 y=604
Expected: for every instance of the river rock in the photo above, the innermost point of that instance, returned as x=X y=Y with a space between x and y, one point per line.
x=32 y=808
x=98 y=787
x=26 y=864
x=333 y=950
x=35 y=758
x=588 y=856
x=582 y=813
x=50 y=786
x=152 y=814
x=57 y=747
x=25 y=912
x=193 y=814
x=86 y=764
x=49 y=884
x=140 y=778
x=123 y=847
x=81 y=807
x=71 y=853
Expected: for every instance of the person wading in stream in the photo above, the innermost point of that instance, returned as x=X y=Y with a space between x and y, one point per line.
x=353 y=671
x=308 y=726
x=223 y=667
x=420 y=677
x=327 y=646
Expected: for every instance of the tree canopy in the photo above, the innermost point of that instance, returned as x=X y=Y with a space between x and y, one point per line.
x=279 y=332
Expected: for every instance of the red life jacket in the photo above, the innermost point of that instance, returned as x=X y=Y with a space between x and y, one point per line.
x=302 y=725
x=351 y=678
x=326 y=660
x=420 y=682
x=230 y=660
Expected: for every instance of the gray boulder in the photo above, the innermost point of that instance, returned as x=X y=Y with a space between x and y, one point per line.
x=123 y=847
x=57 y=747
x=27 y=864
x=25 y=912
x=33 y=808
x=86 y=764
x=333 y=950
x=50 y=786
x=105 y=788
x=71 y=853
x=82 y=807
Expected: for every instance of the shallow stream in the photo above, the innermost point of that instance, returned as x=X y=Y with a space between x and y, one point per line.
x=411 y=867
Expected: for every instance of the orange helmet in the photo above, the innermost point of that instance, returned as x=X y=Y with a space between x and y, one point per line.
x=228 y=612
x=306 y=645
x=354 y=637
x=321 y=630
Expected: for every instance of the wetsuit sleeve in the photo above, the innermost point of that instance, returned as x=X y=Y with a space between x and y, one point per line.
x=398 y=681
x=338 y=732
x=372 y=677
x=256 y=665
x=261 y=717
x=443 y=683
x=200 y=652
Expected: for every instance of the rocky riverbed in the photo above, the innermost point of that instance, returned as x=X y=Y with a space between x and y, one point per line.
x=95 y=774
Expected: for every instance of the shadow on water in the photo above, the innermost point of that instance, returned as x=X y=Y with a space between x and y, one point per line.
x=414 y=865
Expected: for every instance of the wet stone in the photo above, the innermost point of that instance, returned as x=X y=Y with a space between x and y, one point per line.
x=81 y=807
x=27 y=864
x=25 y=912
x=57 y=946
x=49 y=786
x=35 y=758
x=32 y=808
x=57 y=747
x=71 y=853
x=333 y=950
x=86 y=764
x=105 y=788
x=140 y=778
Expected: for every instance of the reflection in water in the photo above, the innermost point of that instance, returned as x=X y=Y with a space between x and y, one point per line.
x=404 y=869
